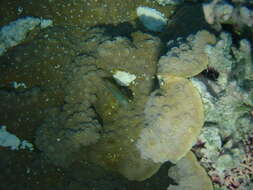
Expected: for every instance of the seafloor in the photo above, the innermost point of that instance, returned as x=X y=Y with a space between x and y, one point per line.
x=62 y=67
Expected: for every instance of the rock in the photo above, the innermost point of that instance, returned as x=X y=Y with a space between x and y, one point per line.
x=227 y=93
x=227 y=103
x=212 y=142
x=152 y=19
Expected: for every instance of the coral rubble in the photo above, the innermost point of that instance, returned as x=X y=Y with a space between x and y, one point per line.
x=219 y=12
x=227 y=103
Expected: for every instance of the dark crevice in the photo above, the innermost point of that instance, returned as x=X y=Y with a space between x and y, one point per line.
x=211 y=74
x=235 y=37
x=124 y=29
x=98 y=117
x=188 y=19
x=238 y=33
x=156 y=84
x=210 y=124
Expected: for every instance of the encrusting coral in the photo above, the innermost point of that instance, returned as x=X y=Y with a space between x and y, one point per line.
x=126 y=129
x=100 y=119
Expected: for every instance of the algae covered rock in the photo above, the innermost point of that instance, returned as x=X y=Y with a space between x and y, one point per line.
x=189 y=175
x=173 y=119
